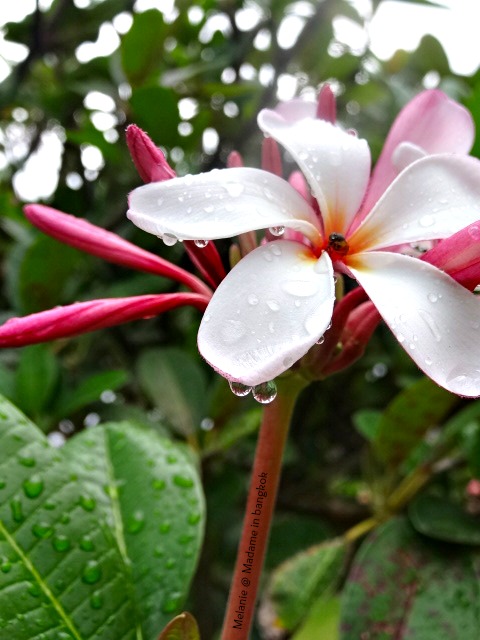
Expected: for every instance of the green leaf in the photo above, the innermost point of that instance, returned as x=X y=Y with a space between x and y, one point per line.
x=367 y=422
x=36 y=379
x=143 y=46
x=183 y=627
x=297 y=583
x=408 y=417
x=402 y=586
x=322 y=622
x=441 y=519
x=155 y=109
x=98 y=539
x=37 y=282
x=89 y=391
x=175 y=383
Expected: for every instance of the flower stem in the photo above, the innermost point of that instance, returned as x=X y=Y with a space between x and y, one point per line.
x=259 y=510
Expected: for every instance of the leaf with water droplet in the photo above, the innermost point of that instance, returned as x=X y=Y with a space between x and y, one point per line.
x=60 y=521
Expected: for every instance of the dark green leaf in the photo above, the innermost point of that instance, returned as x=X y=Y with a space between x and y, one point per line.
x=367 y=422
x=322 y=621
x=98 y=540
x=40 y=273
x=142 y=47
x=298 y=582
x=402 y=586
x=36 y=379
x=155 y=109
x=441 y=519
x=408 y=417
x=175 y=383
x=89 y=391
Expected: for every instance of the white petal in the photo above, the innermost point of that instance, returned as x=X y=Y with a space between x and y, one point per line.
x=267 y=313
x=335 y=163
x=220 y=204
x=434 y=318
x=433 y=198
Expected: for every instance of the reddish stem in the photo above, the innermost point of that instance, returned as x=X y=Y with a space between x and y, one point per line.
x=259 y=511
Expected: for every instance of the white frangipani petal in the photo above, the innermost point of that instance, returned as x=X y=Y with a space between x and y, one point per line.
x=220 y=204
x=266 y=314
x=434 y=318
x=433 y=198
x=335 y=163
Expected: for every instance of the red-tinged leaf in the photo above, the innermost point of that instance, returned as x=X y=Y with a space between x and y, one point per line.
x=183 y=627
x=404 y=587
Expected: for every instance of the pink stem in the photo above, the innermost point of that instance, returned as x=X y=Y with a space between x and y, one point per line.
x=259 y=511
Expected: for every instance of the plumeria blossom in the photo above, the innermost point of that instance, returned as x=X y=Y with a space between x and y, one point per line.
x=278 y=300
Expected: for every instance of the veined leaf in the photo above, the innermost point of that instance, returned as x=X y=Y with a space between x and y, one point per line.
x=98 y=540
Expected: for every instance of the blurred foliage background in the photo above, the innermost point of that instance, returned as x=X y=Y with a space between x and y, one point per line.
x=194 y=76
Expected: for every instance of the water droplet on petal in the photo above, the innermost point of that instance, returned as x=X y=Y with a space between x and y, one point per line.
x=273 y=305
x=239 y=389
x=427 y=221
x=265 y=392
x=235 y=189
x=300 y=288
x=275 y=249
x=267 y=256
x=232 y=331
x=277 y=231
x=433 y=297
x=474 y=232
x=201 y=244
x=431 y=324
x=253 y=299
x=464 y=378
x=321 y=340
x=169 y=239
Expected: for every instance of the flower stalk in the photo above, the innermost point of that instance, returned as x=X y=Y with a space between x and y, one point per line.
x=259 y=510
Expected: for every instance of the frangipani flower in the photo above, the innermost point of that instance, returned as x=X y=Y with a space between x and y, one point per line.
x=278 y=301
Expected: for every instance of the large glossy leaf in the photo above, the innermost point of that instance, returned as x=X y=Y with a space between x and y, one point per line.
x=98 y=540
x=405 y=587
